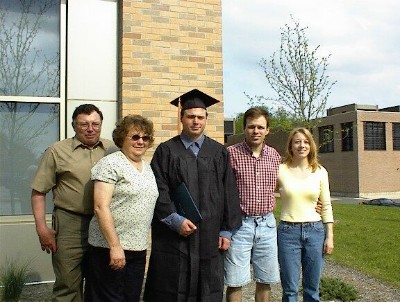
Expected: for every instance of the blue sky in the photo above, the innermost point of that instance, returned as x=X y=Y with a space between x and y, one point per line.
x=363 y=38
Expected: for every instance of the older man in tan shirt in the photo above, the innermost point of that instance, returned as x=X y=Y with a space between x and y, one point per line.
x=65 y=169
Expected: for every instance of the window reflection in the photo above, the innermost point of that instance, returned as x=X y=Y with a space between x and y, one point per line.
x=29 y=48
x=26 y=130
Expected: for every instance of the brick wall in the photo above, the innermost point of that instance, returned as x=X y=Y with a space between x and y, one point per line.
x=379 y=169
x=168 y=48
x=367 y=173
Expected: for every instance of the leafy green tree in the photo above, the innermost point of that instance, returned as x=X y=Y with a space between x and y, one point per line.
x=298 y=77
x=239 y=123
x=280 y=120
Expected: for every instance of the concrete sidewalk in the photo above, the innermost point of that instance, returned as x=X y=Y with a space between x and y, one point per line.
x=347 y=200
x=356 y=200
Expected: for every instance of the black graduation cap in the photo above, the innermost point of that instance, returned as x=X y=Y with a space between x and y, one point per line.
x=194 y=99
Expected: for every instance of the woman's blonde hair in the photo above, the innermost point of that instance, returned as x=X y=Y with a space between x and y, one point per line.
x=312 y=156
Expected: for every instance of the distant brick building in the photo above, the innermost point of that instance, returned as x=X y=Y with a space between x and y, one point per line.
x=360 y=147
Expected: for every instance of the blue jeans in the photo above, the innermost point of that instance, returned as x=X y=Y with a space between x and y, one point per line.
x=254 y=242
x=300 y=246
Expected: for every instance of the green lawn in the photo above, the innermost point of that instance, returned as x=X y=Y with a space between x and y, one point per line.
x=367 y=238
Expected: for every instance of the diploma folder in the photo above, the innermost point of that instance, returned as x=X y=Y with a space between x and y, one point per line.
x=184 y=203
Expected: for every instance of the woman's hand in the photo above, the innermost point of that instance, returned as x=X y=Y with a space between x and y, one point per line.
x=328 y=246
x=117 y=258
x=328 y=243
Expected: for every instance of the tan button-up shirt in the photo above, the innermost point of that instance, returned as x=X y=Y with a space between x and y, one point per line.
x=65 y=169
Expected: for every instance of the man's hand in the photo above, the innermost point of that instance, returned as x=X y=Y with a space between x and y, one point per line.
x=47 y=239
x=224 y=243
x=47 y=236
x=318 y=207
x=187 y=228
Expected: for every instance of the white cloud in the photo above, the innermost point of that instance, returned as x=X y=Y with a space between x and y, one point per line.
x=363 y=37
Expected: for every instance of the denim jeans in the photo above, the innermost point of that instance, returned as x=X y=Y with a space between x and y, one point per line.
x=254 y=242
x=300 y=246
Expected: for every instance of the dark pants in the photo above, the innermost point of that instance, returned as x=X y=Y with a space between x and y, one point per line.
x=107 y=284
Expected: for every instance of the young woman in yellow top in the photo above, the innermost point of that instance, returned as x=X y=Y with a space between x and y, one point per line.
x=304 y=236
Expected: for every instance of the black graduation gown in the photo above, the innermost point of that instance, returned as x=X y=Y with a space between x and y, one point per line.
x=177 y=263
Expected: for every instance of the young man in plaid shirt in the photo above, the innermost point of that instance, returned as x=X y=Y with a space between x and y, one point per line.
x=255 y=166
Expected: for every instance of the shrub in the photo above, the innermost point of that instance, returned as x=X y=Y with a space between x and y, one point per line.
x=12 y=279
x=334 y=288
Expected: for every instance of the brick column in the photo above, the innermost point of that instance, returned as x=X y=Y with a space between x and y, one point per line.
x=166 y=49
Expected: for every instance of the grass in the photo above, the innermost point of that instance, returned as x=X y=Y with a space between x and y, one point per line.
x=367 y=238
x=12 y=279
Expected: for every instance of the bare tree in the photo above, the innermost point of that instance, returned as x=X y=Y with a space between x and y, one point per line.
x=24 y=69
x=298 y=76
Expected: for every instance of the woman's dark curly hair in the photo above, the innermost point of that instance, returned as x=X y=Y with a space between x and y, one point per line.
x=132 y=121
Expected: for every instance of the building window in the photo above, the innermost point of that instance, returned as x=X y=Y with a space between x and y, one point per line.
x=374 y=136
x=229 y=128
x=31 y=94
x=326 y=141
x=30 y=48
x=347 y=136
x=26 y=129
x=396 y=136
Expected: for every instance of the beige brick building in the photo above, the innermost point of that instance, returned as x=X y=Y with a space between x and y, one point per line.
x=123 y=56
x=362 y=150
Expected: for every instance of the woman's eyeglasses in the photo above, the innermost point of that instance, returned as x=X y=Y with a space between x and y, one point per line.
x=136 y=137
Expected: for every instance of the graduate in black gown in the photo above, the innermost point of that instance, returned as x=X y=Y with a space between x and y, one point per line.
x=186 y=262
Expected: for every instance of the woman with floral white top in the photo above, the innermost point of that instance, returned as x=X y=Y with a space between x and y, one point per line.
x=125 y=193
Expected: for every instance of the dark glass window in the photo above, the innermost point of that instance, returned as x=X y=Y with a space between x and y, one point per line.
x=29 y=73
x=374 y=136
x=229 y=129
x=26 y=130
x=326 y=139
x=30 y=48
x=347 y=136
x=396 y=136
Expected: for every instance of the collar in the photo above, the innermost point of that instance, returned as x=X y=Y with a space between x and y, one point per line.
x=77 y=143
x=249 y=151
x=187 y=142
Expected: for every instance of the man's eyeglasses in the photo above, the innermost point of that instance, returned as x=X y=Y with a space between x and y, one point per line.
x=136 y=137
x=84 y=126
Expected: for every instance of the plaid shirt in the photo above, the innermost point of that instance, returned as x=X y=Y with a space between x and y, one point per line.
x=255 y=177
